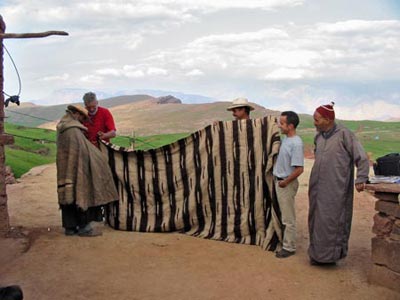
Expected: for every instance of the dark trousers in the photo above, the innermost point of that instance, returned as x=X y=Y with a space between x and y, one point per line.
x=72 y=216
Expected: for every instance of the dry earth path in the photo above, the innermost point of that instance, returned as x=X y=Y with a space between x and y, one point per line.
x=125 y=265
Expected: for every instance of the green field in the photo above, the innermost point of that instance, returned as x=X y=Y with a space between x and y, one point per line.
x=35 y=146
x=148 y=142
x=378 y=138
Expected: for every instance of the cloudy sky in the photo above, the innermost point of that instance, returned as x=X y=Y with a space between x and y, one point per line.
x=282 y=54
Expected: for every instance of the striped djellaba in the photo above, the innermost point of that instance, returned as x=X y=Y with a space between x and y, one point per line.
x=215 y=184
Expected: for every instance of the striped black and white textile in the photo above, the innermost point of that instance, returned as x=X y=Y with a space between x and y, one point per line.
x=215 y=184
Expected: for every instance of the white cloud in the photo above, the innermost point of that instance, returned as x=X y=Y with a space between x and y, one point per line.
x=62 y=77
x=301 y=97
x=287 y=52
x=115 y=38
x=135 y=74
x=94 y=62
x=306 y=98
x=129 y=71
x=195 y=73
x=152 y=71
x=233 y=39
x=285 y=73
x=109 y=72
x=358 y=26
x=91 y=79
x=137 y=13
x=132 y=71
x=376 y=110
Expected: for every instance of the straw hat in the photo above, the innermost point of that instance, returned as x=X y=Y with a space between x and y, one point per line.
x=79 y=109
x=240 y=102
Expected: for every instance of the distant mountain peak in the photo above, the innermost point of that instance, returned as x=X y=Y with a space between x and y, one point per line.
x=168 y=99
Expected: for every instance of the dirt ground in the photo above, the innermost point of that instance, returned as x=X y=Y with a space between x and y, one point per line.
x=126 y=265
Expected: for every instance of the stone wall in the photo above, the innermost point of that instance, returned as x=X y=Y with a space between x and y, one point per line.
x=385 y=248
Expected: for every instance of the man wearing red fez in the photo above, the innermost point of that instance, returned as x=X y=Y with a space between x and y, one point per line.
x=331 y=187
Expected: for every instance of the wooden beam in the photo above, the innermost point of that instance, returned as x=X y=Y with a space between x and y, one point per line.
x=31 y=35
x=4 y=218
x=6 y=139
x=384 y=187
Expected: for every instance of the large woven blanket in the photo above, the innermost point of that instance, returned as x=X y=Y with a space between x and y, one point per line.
x=216 y=184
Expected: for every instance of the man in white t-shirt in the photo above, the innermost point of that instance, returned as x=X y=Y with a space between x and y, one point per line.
x=288 y=166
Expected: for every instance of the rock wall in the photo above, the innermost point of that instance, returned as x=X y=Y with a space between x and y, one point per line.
x=385 y=248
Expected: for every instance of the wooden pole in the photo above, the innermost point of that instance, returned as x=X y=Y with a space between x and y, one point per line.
x=4 y=219
x=6 y=139
x=31 y=35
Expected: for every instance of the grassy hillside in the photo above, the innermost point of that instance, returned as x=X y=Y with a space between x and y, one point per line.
x=27 y=153
x=154 y=118
x=36 y=146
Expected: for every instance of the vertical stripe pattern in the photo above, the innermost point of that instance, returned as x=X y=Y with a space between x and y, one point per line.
x=216 y=184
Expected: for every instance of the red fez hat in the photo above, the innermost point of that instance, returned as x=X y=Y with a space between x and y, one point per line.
x=327 y=111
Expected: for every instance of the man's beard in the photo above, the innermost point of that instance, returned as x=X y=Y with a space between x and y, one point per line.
x=93 y=113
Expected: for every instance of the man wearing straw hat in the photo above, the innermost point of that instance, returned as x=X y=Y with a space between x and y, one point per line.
x=241 y=108
x=84 y=180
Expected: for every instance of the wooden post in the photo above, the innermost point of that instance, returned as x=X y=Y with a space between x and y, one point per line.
x=4 y=220
x=6 y=139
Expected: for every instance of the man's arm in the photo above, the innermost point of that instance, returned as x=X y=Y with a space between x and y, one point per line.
x=108 y=135
x=296 y=173
x=360 y=159
x=110 y=126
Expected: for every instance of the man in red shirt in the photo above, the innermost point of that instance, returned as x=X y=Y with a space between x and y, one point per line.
x=101 y=122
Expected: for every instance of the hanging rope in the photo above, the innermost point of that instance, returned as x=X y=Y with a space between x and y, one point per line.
x=15 y=98
x=33 y=139
x=20 y=113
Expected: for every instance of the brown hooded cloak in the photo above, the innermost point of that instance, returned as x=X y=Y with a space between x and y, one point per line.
x=83 y=174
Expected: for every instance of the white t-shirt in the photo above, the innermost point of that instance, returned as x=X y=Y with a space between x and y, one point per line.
x=291 y=154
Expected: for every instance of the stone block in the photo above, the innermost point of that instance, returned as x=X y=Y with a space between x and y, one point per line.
x=391 y=197
x=384 y=187
x=395 y=237
x=381 y=275
x=386 y=252
x=395 y=233
x=4 y=220
x=389 y=208
x=383 y=225
x=395 y=228
x=3 y=200
x=10 y=178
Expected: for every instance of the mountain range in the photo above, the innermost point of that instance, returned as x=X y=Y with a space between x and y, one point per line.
x=74 y=95
x=137 y=114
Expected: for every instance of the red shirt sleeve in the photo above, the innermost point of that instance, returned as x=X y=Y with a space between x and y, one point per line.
x=109 y=121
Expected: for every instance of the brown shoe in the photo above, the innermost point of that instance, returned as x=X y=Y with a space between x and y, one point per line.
x=284 y=253
x=89 y=233
x=70 y=231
